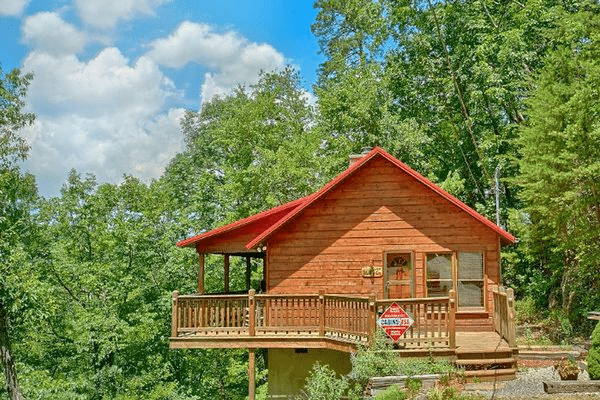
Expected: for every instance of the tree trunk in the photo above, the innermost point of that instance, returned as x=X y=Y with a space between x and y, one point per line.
x=10 y=372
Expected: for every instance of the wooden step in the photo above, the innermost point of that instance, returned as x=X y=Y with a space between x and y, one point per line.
x=475 y=325
x=486 y=375
x=485 y=354
x=485 y=361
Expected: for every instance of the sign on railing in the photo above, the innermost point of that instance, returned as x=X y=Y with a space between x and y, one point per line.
x=395 y=321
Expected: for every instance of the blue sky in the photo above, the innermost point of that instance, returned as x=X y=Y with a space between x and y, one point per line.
x=113 y=77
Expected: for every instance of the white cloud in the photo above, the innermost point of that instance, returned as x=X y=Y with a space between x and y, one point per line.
x=47 y=32
x=12 y=7
x=104 y=116
x=196 y=42
x=106 y=13
x=233 y=59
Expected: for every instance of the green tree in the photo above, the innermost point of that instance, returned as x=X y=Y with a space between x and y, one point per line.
x=17 y=193
x=104 y=288
x=441 y=84
x=560 y=166
x=247 y=152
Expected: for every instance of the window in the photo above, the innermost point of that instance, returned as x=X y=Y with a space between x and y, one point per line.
x=439 y=274
x=470 y=279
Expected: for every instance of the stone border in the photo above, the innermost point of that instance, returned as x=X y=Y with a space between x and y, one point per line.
x=379 y=384
x=572 y=387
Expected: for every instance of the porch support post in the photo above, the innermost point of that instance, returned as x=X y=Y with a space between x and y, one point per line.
x=200 y=272
x=248 y=272
x=251 y=375
x=265 y=276
x=226 y=273
x=452 y=318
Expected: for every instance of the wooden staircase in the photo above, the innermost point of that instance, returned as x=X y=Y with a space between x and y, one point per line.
x=488 y=365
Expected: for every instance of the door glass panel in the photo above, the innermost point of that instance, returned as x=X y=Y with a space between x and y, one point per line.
x=399 y=276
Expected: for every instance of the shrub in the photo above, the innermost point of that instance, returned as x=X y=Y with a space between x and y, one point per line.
x=526 y=311
x=593 y=358
x=324 y=384
x=413 y=385
x=392 y=393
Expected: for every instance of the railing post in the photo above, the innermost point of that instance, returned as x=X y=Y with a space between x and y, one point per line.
x=510 y=311
x=372 y=317
x=452 y=318
x=321 y=312
x=495 y=309
x=251 y=312
x=174 y=314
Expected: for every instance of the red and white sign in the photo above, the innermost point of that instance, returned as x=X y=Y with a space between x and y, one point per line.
x=395 y=321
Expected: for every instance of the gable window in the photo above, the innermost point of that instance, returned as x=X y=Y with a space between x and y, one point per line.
x=470 y=279
x=439 y=275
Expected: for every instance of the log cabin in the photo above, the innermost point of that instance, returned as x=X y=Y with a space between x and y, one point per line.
x=334 y=260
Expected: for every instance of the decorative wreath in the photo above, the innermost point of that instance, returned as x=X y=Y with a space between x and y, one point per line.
x=400 y=262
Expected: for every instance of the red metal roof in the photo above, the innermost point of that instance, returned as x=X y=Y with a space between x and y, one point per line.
x=256 y=222
x=282 y=214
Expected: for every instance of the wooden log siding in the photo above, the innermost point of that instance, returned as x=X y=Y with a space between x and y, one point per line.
x=343 y=318
x=504 y=315
x=378 y=210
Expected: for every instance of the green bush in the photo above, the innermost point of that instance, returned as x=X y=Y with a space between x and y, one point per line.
x=526 y=311
x=413 y=385
x=593 y=358
x=324 y=384
x=392 y=393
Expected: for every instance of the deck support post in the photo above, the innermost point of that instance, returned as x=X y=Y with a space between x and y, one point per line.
x=226 y=273
x=248 y=272
x=372 y=317
x=251 y=312
x=452 y=318
x=321 y=312
x=200 y=273
x=174 y=315
x=251 y=373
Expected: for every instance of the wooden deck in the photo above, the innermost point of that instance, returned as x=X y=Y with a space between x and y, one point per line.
x=480 y=341
x=328 y=321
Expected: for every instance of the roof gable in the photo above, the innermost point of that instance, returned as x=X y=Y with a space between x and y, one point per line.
x=268 y=222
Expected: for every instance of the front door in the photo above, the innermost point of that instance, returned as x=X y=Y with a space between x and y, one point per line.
x=399 y=275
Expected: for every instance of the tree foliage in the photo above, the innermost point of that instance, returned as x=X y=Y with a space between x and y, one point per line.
x=17 y=195
x=462 y=91
x=560 y=166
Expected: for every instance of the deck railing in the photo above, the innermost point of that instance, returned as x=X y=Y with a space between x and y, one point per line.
x=504 y=315
x=337 y=317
